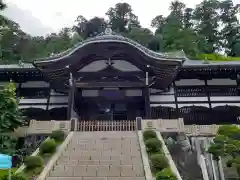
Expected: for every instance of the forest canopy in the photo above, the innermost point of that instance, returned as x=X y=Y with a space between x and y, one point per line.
x=201 y=32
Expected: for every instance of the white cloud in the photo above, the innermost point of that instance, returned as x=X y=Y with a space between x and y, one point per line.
x=25 y=19
x=56 y=14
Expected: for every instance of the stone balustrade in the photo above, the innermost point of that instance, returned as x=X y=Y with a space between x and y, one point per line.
x=42 y=127
x=163 y=125
x=177 y=125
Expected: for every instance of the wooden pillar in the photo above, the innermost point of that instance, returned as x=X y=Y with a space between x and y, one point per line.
x=147 y=102
x=175 y=99
x=48 y=98
x=71 y=93
x=238 y=84
x=208 y=94
x=18 y=90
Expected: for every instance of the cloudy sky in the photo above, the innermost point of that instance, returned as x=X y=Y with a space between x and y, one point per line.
x=41 y=17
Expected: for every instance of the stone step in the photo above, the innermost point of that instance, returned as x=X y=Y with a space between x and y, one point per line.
x=100 y=156
x=96 y=178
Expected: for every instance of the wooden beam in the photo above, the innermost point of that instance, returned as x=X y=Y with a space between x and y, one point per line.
x=126 y=84
x=112 y=74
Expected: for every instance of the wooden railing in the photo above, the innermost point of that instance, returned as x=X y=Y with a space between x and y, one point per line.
x=106 y=125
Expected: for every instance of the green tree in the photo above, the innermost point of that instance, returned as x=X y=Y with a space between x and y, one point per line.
x=188 y=18
x=176 y=30
x=230 y=31
x=121 y=18
x=89 y=28
x=207 y=17
x=10 y=118
x=141 y=35
x=227 y=144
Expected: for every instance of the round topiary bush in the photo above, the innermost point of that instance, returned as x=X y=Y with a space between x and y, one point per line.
x=33 y=162
x=166 y=173
x=153 y=145
x=148 y=134
x=58 y=135
x=158 y=162
x=15 y=177
x=48 y=146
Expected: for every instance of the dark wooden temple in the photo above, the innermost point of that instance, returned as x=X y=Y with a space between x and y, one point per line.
x=112 y=77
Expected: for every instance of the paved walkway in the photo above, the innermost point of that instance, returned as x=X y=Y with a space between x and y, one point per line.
x=100 y=156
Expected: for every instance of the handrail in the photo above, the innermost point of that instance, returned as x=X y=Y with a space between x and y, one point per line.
x=169 y=157
x=145 y=160
x=201 y=161
x=55 y=157
x=203 y=167
x=220 y=167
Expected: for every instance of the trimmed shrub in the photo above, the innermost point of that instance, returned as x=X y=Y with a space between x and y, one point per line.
x=216 y=57
x=48 y=146
x=58 y=135
x=158 y=162
x=153 y=145
x=166 y=173
x=148 y=134
x=15 y=177
x=33 y=162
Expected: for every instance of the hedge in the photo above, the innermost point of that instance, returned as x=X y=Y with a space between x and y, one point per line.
x=216 y=57
x=158 y=161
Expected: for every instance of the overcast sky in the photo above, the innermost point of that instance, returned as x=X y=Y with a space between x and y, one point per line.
x=39 y=17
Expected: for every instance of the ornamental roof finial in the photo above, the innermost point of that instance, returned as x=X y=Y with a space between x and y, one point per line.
x=108 y=30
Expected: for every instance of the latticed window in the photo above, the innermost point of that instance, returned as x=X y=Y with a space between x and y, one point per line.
x=222 y=91
x=163 y=112
x=190 y=91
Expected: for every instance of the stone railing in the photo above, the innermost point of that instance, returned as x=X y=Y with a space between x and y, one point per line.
x=55 y=157
x=203 y=130
x=169 y=157
x=42 y=127
x=146 y=164
x=164 y=125
x=177 y=125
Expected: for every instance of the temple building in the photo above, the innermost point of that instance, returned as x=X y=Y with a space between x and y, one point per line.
x=111 y=77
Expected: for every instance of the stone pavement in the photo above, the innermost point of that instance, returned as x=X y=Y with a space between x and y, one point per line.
x=100 y=156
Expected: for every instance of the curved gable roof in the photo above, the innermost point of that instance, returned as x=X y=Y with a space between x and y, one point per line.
x=114 y=37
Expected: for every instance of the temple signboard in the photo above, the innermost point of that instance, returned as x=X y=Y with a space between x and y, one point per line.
x=164 y=125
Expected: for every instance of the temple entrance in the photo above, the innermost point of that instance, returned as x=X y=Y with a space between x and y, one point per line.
x=112 y=111
x=95 y=109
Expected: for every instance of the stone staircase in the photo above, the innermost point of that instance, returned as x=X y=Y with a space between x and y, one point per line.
x=100 y=156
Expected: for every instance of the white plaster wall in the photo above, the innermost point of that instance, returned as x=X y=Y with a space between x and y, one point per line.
x=56 y=106
x=224 y=104
x=124 y=66
x=170 y=92
x=33 y=84
x=94 y=66
x=187 y=105
x=155 y=90
x=222 y=82
x=133 y=92
x=89 y=93
x=24 y=101
x=179 y=99
x=189 y=82
x=58 y=99
x=225 y=98
x=165 y=105
x=101 y=64
x=162 y=98
x=44 y=107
